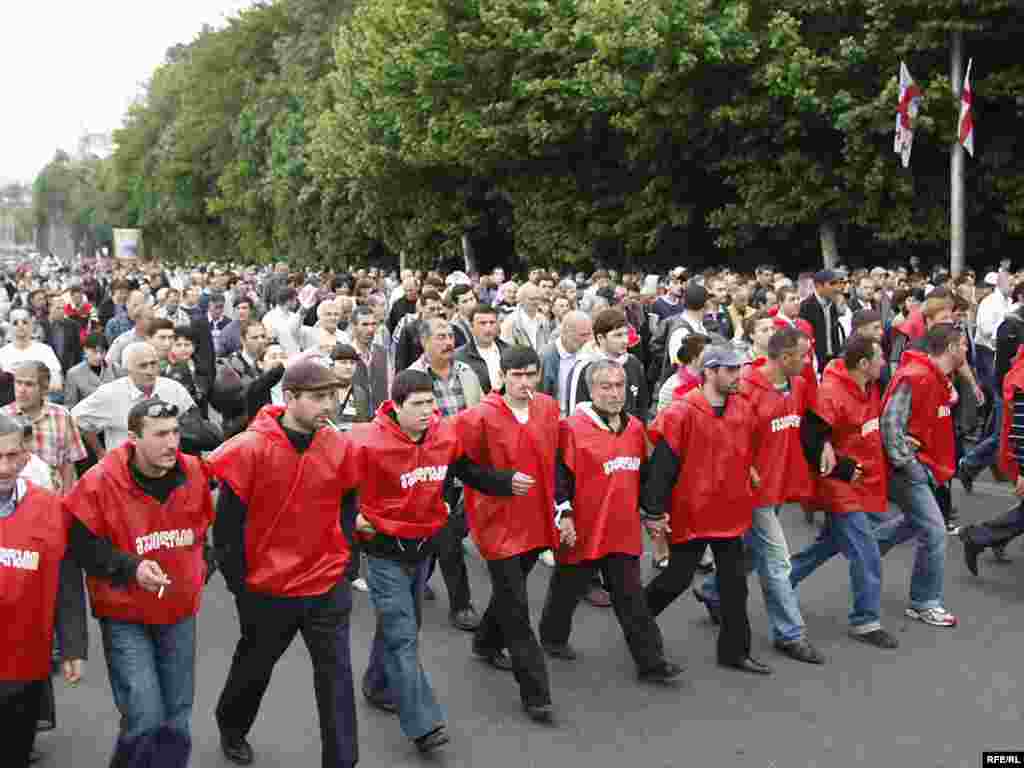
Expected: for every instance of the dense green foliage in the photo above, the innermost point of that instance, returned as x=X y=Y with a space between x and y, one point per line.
x=569 y=132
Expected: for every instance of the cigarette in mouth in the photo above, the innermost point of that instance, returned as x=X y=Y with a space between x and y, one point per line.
x=332 y=425
x=529 y=394
x=160 y=594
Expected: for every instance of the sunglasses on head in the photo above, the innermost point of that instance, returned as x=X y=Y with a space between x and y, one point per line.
x=162 y=411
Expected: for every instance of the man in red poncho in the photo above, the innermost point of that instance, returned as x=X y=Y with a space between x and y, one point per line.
x=34 y=536
x=602 y=455
x=846 y=413
x=408 y=458
x=141 y=517
x=517 y=429
x=699 y=493
x=285 y=482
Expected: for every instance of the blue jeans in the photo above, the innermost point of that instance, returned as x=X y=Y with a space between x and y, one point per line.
x=984 y=453
x=852 y=534
x=911 y=488
x=395 y=672
x=152 y=676
x=766 y=546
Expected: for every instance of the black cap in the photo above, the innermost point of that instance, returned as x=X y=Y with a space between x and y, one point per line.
x=864 y=317
x=826 y=276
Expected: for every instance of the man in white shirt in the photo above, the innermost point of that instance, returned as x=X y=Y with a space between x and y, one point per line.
x=328 y=314
x=106 y=409
x=559 y=357
x=526 y=326
x=991 y=313
x=284 y=320
x=23 y=347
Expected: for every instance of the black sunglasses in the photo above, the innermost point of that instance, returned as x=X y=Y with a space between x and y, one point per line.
x=162 y=411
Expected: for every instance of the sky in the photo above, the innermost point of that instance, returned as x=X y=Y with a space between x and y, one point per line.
x=72 y=67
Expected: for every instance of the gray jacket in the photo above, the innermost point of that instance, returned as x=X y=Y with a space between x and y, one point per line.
x=80 y=382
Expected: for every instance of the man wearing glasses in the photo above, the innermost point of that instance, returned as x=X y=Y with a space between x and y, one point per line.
x=23 y=347
x=139 y=532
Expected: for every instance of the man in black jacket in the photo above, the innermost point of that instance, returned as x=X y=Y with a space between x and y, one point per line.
x=63 y=335
x=611 y=335
x=483 y=351
x=820 y=311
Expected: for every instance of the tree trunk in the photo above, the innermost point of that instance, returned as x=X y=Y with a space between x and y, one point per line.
x=468 y=255
x=829 y=246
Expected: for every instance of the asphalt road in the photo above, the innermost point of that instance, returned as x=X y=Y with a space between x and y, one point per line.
x=939 y=700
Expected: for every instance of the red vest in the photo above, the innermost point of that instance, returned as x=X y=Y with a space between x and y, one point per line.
x=109 y=502
x=1013 y=381
x=294 y=545
x=853 y=415
x=32 y=543
x=400 y=492
x=712 y=496
x=503 y=527
x=931 y=418
x=778 y=454
x=606 y=468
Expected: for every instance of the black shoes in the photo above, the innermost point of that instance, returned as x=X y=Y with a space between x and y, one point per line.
x=748 y=664
x=498 y=659
x=878 y=638
x=714 y=610
x=965 y=476
x=378 y=701
x=539 y=713
x=467 y=619
x=971 y=550
x=431 y=741
x=801 y=650
x=661 y=673
x=429 y=594
x=236 y=748
x=562 y=651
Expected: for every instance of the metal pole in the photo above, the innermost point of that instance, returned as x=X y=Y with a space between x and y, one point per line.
x=957 y=211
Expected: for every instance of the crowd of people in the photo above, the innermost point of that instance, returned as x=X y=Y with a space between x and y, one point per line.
x=315 y=435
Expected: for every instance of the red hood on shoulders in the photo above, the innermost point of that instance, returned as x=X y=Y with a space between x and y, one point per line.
x=386 y=419
x=913 y=327
x=837 y=371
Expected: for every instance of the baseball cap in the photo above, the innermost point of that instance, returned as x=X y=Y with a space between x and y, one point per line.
x=992 y=278
x=826 y=276
x=308 y=376
x=864 y=317
x=722 y=356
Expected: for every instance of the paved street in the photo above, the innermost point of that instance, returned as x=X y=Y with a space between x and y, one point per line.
x=937 y=701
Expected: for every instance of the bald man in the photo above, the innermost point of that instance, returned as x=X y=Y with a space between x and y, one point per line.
x=106 y=409
x=558 y=357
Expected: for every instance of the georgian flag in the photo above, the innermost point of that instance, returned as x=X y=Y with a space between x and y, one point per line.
x=906 y=113
x=966 y=132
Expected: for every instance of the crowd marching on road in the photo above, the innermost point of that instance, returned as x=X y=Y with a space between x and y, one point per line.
x=315 y=436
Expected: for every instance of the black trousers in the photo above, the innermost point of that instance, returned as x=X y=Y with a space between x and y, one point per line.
x=19 y=713
x=734 y=634
x=450 y=555
x=999 y=530
x=268 y=625
x=622 y=575
x=506 y=624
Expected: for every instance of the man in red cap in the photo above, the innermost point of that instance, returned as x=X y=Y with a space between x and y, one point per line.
x=284 y=556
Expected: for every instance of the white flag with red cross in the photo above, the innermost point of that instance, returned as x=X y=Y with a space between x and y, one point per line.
x=906 y=114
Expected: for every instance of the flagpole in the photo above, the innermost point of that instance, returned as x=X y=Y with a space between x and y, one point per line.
x=957 y=211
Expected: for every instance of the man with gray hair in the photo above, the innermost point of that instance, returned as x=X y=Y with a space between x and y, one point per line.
x=106 y=410
x=601 y=465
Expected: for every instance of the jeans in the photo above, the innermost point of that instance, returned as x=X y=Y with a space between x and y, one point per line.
x=622 y=574
x=506 y=624
x=19 y=712
x=852 y=534
x=984 y=453
x=911 y=488
x=731 y=564
x=985 y=362
x=152 y=676
x=999 y=530
x=269 y=624
x=769 y=556
x=395 y=672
